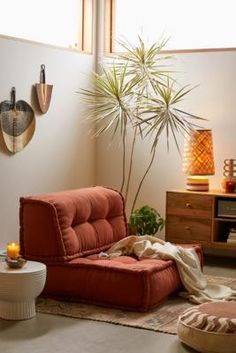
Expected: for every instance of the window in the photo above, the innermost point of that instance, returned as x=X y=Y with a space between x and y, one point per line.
x=64 y=23
x=189 y=24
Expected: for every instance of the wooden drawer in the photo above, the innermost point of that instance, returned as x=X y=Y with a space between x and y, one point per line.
x=188 y=229
x=191 y=205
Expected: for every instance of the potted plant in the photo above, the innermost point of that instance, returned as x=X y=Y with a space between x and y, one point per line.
x=137 y=94
x=146 y=220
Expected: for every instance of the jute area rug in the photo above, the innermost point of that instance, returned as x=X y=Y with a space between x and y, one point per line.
x=163 y=318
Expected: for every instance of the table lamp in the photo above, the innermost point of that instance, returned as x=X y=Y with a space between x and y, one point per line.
x=198 y=160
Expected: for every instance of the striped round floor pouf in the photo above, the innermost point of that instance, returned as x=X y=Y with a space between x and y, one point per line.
x=209 y=327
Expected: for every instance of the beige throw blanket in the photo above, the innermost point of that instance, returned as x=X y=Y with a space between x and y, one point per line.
x=194 y=281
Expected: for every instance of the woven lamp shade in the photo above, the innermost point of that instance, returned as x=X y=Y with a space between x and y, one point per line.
x=198 y=159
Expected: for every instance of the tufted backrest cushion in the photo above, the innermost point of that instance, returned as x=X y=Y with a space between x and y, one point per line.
x=64 y=225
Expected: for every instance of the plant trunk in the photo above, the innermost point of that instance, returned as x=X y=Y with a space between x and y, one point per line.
x=142 y=180
x=131 y=162
x=123 y=159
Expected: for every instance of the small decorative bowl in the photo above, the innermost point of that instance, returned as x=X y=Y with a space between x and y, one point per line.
x=17 y=262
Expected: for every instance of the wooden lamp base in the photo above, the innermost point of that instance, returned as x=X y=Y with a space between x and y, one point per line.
x=197 y=183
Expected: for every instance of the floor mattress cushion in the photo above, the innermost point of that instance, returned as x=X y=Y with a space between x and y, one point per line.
x=209 y=327
x=122 y=282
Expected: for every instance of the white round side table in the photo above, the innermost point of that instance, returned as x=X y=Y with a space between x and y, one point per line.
x=19 y=288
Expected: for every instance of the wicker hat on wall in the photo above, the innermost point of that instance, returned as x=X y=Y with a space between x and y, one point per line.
x=17 y=123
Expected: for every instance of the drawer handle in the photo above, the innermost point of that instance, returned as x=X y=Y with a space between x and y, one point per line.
x=188 y=205
x=187 y=227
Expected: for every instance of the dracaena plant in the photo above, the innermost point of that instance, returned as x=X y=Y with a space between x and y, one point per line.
x=137 y=93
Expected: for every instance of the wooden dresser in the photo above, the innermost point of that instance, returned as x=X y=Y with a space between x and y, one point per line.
x=195 y=217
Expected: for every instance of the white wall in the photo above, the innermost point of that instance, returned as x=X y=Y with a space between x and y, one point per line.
x=214 y=99
x=61 y=153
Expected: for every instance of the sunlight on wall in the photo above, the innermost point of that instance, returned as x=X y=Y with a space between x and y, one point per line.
x=189 y=24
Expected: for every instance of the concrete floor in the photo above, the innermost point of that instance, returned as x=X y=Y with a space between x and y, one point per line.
x=50 y=333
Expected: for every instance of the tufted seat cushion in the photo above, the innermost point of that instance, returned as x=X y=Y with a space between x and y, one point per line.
x=209 y=327
x=122 y=282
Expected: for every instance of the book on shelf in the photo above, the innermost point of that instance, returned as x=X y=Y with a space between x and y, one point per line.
x=232 y=236
x=232 y=241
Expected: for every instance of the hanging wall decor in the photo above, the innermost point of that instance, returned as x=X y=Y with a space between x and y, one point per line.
x=44 y=91
x=17 y=123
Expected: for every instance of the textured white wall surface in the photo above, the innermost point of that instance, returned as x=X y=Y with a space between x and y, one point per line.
x=61 y=153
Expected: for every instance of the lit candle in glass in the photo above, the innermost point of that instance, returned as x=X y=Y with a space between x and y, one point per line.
x=13 y=250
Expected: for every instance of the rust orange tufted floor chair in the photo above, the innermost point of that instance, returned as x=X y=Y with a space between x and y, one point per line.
x=67 y=230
